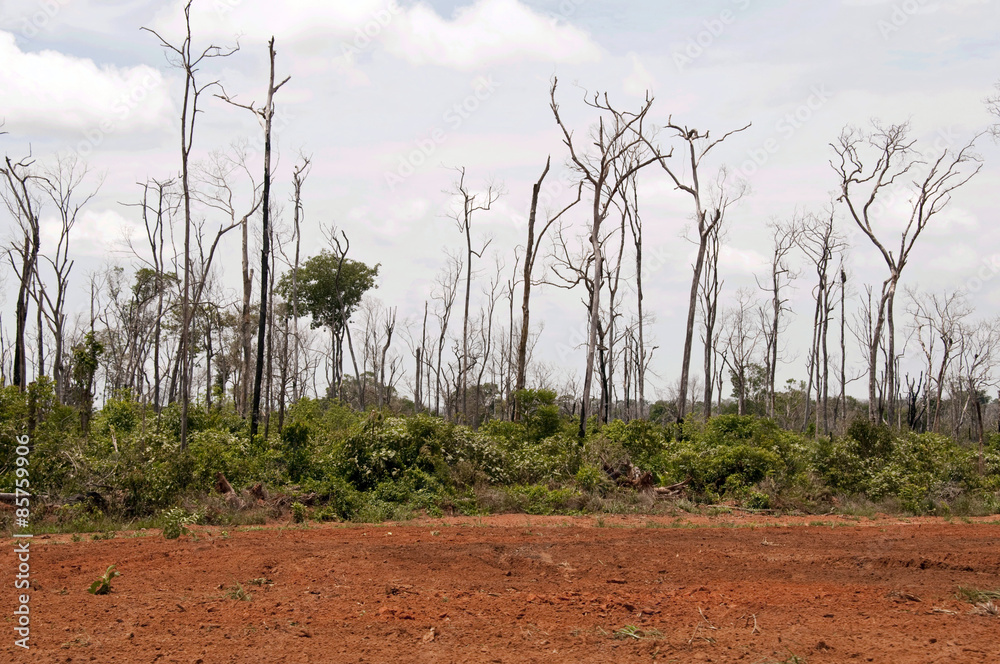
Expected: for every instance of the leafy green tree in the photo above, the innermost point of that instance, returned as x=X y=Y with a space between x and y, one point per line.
x=329 y=289
x=86 y=356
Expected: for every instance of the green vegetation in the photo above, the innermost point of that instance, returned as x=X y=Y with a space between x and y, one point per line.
x=331 y=463
x=102 y=586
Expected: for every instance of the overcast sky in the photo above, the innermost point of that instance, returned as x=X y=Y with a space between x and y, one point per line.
x=387 y=98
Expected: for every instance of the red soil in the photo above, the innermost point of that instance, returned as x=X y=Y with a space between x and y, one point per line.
x=522 y=589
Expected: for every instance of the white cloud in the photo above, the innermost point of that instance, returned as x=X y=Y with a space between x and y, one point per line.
x=639 y=81
x=256 y=21
x=93 y=234
x=488 y=32
x=479 y=35
x=49 y=91
x=741 y=261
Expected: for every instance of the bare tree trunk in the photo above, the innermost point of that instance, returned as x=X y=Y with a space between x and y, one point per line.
x=23 y=207
x=529 y=263
x=298 y=178
x=706 y=219
x=189 y=61
x=621 y=139
x=266 y=114
x=894 y=159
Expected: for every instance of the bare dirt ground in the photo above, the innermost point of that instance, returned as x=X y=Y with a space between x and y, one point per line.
x=522 y=589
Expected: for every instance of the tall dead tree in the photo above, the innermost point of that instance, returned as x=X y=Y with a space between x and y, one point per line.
x=62 y=182
x=22 y=201
x=471 y=204
x=817 y=238
x=531 y=249
x=710 y=289
x=869 y=164
x=617 y=135
x=707 y=214
x=299 y=174
x=215 y=179
x=187 y=59
x=266 y=116
x=642 y=356
x=783 y=237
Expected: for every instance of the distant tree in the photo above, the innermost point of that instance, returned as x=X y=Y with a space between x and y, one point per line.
x=709 y=209
x=471 y=204
x=266 y=114
x=742 y=340
x=189 y=60
x=616 y=135
x=21 y=197
x=868 y=164
x=329 y=288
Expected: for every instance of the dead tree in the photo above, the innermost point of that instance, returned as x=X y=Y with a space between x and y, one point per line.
x=742 y=340
x=266 y=115
x=446 y=293
x=643 y=356
x=471 y=204
x=709 y=290
x=531 y=249
x=783 y=239
x=216 y=192
x=61 y=183
x=867 y=179
x=707 y=215
x=977 y=361
x=157 y=217
x=299 y=174
x=817 y=238
x=22 y=200
x=187 y=59
x=937 y=318
x=613 y=138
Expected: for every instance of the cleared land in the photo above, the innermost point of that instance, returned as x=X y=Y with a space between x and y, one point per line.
x=524 y=589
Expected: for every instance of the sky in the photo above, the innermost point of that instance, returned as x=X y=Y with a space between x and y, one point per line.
x=389 y=98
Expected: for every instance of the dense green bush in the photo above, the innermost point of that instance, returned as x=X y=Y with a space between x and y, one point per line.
x=367 y=467
x=878 y=463
x=384 y=447
x=643 y=442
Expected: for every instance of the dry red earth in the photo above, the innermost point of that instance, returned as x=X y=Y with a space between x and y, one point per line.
x=522 y=589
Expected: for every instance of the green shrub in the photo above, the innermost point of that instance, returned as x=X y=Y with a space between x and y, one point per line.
x=295 y=451
x=174 y=522
x=342 y=500
x=873 y=440
x=539 y=413
x=643 y=441
x=591 y=478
